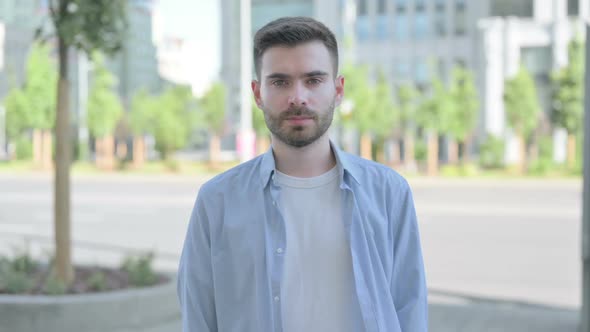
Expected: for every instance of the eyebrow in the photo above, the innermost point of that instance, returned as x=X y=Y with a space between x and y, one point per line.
x=314 y=73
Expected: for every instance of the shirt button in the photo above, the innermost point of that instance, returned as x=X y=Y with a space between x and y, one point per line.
x=280 y=251
x=276 y=299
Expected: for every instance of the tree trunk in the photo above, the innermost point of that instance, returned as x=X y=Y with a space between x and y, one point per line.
x=98 y=153
x=432 y=159
x=394 y=152
x=214 y=150
x=63 y=261
x=47 y=149
x=380 y=152
x=453 y=151
x=522 y=155
x=571 y=150
x=138 y=151
x=466 y=158
x=366 y=146
x=37 y=147
x=121 y=150
x=262 y=144
x=108 y=152
x=409 y=159
x=533 y=151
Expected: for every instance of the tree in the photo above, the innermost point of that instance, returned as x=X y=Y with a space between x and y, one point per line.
x=213 y=107
x=104 y=112
x=385 y=114
x=87 y=25
x=522 y=109
x=174 y=120
x=32 y=107
x=432 y=115
x=463 y=115
x=260 y=128
x=407 y=103
x=568 y=96
x=41 y=100
x=367 y=115
x=142 y=122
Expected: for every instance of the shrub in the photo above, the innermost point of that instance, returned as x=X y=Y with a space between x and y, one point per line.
x=139 y=270
x=491 y=153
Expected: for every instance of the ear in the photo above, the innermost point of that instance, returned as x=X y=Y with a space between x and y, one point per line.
x=256 y=91
x=339 y=86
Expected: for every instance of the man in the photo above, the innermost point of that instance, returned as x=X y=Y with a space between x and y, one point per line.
x=305 y=237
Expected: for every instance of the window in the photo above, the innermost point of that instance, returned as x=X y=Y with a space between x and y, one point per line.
x=520 y=8
x=460 y=63
x=441 y=68
x=361 y=8
x=439 y=5
x=537 y=60
x=420 y=5
x=402 y=69
x=401 y=5
x=382 y=7
x=573 y=7
x=383 y=27
x=440 y=24
x=460 y=17
x=421 y=71
x=362 y=28
x=401 y=32
x=421 y=26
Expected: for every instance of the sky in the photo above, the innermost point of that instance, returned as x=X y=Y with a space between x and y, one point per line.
x=198 y=22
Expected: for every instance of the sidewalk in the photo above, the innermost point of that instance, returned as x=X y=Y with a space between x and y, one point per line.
x=461 y=314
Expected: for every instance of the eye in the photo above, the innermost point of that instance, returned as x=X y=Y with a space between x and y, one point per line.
x=314 y=81
x=280 y=83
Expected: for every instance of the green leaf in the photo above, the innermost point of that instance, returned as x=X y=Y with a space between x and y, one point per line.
x=521 y=103
x=104 y=107
x=213 y=105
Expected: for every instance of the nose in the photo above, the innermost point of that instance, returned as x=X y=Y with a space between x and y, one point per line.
x=298 y=96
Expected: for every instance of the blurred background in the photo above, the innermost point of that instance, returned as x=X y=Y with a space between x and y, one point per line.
x=478 y=103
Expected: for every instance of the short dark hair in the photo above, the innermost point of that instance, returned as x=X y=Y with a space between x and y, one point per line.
x=293 y=31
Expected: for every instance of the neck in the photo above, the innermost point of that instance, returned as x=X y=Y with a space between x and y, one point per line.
x=308 y=161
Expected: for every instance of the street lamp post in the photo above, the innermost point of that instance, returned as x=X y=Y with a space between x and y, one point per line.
x=246 y=136
x=585 y=323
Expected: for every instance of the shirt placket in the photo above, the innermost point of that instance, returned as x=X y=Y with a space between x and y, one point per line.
x=349 y=209
x=278 y=241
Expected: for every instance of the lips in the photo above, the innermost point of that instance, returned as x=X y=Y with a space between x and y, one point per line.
x=299 y=120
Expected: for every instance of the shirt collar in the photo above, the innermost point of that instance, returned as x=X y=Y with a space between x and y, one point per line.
x=343 y=159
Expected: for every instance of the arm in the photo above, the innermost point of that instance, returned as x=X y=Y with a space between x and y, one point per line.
x=195 y=275
x=408 y=282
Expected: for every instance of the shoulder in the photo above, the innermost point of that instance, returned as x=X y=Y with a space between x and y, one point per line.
x=245 y=174
x=370 y=172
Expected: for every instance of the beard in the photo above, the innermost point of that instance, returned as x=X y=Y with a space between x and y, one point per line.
x=299 y=135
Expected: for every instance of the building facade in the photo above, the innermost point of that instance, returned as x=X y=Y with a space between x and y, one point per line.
x=414 y=40
x=20 y=19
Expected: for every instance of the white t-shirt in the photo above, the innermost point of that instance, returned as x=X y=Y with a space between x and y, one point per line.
x=317 y=290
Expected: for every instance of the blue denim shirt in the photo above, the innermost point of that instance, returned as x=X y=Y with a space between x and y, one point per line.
x=230 y=271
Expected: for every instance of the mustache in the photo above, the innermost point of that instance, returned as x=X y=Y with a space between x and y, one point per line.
x=298 y=111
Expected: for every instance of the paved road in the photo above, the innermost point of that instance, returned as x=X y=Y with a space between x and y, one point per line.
x=501 y=254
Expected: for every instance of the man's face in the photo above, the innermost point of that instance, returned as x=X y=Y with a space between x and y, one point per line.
x=298 y=92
